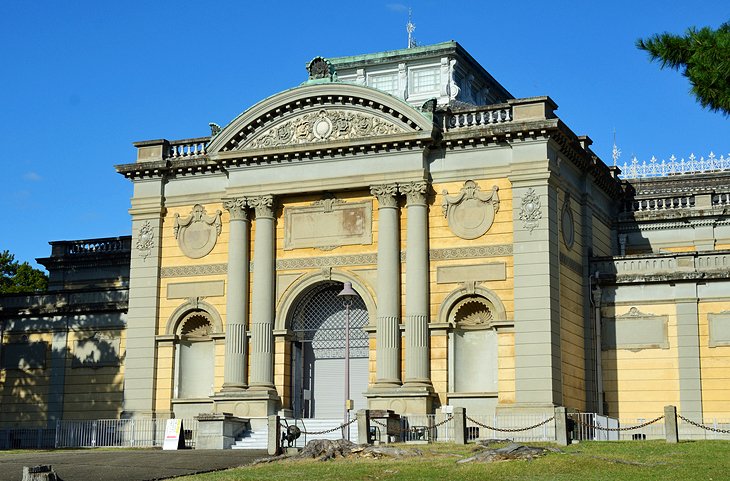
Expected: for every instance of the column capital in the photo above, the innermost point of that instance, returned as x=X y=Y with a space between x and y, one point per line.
x=263 y=205
x=415 y=192
x=237 y=208
x=387 y=194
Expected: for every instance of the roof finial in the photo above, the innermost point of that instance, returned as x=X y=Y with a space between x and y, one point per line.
x=410 y=27
x=615 y=152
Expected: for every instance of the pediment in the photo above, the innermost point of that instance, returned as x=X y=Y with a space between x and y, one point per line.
x=320 y=114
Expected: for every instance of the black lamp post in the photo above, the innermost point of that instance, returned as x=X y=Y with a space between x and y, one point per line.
x=347 y=294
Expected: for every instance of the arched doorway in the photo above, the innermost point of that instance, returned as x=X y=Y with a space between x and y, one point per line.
x=318 y=353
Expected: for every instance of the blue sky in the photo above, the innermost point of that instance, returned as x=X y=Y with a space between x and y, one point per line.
x=82 y=80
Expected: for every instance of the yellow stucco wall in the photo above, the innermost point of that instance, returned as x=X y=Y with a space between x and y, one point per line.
x=638 y=383
x=714 y=365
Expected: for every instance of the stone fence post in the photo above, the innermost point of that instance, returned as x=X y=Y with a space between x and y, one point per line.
x=459 y=425
x=363 y=426
x=562 y=437
x=274 y=448
x=670 y=424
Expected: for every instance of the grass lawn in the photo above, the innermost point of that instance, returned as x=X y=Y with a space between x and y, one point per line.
x=614 y=461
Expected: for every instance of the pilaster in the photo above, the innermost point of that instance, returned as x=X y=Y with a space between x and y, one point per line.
x=688 y=347
x=537 y=289
x=144 y=284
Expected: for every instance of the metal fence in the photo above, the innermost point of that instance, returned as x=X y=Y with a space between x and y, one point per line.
x=135 y=433
x=595 y=427
x=517 y=427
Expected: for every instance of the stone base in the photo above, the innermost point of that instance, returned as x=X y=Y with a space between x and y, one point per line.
x=402 y=400
x=219 y=430
x=247 y=404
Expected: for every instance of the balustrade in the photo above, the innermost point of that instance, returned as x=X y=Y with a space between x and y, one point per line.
x=188 y=148
x=475 y=118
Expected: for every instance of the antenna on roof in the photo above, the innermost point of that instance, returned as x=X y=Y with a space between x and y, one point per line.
x=615 y=152
x=410 y=27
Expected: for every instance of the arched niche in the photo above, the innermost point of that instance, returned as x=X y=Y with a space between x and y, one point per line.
x=193 y=304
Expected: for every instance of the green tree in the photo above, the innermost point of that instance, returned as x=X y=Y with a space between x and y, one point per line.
x=703 y=56
x=16 y=277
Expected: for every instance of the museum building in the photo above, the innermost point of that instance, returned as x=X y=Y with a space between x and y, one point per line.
x=499 y=265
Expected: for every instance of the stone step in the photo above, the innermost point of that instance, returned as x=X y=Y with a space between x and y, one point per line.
x=259 y=439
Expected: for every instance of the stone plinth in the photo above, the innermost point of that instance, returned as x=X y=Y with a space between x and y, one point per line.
x=247 y=404
x=219 y=430
x=402 y=400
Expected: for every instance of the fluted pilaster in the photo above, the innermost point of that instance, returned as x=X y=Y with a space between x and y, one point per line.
x=234 y=369
x=262 y=307
x=417 y=284
x=388 y=291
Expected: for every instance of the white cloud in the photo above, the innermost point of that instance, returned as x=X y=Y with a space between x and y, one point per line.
x=396 y=7
x=32 y=176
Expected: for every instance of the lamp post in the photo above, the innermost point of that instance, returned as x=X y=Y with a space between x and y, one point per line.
x=347 y=294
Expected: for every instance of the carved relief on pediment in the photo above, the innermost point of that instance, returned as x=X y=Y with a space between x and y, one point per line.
x=471 y=212
x=325 y=125
x=197 y=233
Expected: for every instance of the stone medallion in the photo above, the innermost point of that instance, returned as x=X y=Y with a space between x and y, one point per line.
x=471 y=212
x=197 y=233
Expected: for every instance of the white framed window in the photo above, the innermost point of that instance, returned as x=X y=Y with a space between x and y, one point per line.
x=387 y=82
x=425 y=80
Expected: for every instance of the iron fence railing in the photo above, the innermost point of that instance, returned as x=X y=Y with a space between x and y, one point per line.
x=135 y=433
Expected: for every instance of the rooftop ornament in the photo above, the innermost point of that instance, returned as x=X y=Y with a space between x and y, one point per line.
x=673 y=166
x=320 y=70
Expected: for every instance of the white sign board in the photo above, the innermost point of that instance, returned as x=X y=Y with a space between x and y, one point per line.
x=174 y=435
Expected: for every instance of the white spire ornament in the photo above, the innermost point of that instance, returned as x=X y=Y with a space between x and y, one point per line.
x=410 y=27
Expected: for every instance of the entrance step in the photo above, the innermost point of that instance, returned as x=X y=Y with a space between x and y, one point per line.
x=259 y=439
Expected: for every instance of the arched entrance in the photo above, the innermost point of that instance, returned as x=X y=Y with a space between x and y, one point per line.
x=318 y=353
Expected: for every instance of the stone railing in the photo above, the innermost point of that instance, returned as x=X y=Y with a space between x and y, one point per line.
x=692 y=165
x=670 y=264
x=187 y=148
x=477 y=117
x=89 y=246
x=659 y=204
x=58 y=300
x=721 y=199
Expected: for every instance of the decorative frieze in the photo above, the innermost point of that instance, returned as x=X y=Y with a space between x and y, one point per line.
x=471 y=252
x=325 y=125
x=470 y=213
x=192 y=271
x=197 y=233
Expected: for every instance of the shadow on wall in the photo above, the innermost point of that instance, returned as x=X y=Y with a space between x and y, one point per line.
x=55 y=368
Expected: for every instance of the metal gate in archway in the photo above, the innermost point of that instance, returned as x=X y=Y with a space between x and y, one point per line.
x=318 y=353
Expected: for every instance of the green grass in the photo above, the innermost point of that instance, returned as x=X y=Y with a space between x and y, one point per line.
x=610 y=461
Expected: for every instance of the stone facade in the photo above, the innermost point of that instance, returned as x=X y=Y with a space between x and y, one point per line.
x=500 y=265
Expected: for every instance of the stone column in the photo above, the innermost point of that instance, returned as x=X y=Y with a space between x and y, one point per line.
x=262 y=306
x=388 y=323
x=234 y=373
x=417 y=284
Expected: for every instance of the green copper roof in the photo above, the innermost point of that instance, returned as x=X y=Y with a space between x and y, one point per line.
x=425 y=50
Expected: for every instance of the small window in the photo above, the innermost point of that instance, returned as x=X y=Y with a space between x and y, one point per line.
x=385 y=82
x=425 y=80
